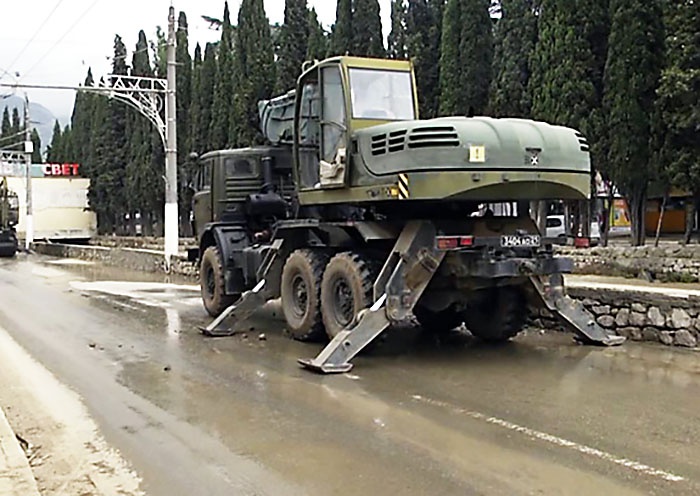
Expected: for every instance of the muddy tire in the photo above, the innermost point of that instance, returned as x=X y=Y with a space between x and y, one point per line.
x=301 y=294
x=438 y=322
x=211 y=282
x=498 y=314
x=346 y=289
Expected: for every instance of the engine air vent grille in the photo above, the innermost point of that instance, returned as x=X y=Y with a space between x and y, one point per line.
x=583 y=142
x=431 y=137
x=395 y=141
x=378 y=144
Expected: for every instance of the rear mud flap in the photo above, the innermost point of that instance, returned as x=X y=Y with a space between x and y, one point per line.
x=335 y=357
x=571 y=313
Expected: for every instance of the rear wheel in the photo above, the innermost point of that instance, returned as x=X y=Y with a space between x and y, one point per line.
x=301 y=294
x=497 y=314
x=211 y=282
x=346 y=289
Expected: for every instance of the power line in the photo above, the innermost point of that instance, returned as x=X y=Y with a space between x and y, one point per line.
x=36 y=33
x=85 y=12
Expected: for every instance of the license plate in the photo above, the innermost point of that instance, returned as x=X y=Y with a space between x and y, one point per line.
x=521 y=241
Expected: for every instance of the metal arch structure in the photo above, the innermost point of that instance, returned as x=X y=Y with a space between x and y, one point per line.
x=148 y=96
x=144 y=94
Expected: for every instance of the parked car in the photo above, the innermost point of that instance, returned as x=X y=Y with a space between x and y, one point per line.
x=556 y=228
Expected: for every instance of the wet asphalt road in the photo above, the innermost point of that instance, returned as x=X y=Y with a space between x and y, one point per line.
x=237 y=416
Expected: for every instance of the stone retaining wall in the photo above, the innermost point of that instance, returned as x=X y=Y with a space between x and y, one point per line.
x=130 y=258
x=639 y=315
x=673 y=263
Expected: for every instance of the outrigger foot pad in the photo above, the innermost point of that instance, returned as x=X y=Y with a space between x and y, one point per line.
x=572 y=313
x=335 y=357
x=246 y=305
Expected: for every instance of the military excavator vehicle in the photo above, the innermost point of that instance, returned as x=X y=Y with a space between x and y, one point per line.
x=360 y=217
x=9 y=215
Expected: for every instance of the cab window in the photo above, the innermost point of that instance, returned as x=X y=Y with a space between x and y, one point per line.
x=204 y=176
x=381 y=94
x=239 y=167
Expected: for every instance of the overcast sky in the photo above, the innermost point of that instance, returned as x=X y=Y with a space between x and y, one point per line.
x=55 y=41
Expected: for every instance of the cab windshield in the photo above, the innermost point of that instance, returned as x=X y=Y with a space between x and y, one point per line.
x=381 y=94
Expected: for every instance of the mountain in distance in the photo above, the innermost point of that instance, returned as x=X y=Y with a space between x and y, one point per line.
x=41 y=117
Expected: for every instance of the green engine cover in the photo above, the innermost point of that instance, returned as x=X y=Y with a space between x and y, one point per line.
x=459 y=158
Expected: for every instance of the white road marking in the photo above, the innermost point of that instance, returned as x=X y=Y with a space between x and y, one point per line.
x=558 y=441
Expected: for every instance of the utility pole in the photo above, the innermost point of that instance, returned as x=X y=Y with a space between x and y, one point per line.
x=28 y=150
x=171 y=208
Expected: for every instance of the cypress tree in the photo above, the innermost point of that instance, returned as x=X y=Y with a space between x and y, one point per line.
x=294 y=44
x=81 y=125
x=424 y=34
x=515 y=36
x=466 y=57
x=16 y=126
x=254 y=70
x=54 y=153
x=397 y=42
x=6 y=128
x=184 y=104
x=678 y=100
x=205 y=99
x=223 y=106
x=631 y=78
x=367 y=29
x=184 y=88
x=36 y=141
x=317 y=47
x=342 y=40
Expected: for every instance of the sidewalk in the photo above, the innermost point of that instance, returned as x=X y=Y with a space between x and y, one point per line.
x=672 y=290
x=16 y=478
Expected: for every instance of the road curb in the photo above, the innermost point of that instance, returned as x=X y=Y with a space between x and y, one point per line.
x=16 y=477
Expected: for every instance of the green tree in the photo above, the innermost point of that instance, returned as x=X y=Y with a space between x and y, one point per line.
x=36 y=143
x=466 y=57
x=678 y=100
x=254 y=71
x=16 y=122
x=631 y=78
x=367 y=29
x=317 y=47
x=294 y=44
x=55 y=151
x=223 y=105
x=342 y=41
x=184 y=88
x=515 y=36
x=424 y=35
x=203 y=99
x=397 y=42
x=81 y=126
x=6 y=128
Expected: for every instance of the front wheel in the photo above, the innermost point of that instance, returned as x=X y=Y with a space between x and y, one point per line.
x=497 y=314
x=211 y=283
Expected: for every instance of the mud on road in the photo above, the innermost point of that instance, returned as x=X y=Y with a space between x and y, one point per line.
x=189 y=415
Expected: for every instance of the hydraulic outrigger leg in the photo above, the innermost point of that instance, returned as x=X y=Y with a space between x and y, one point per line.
x=401 y=282
x=571 y=313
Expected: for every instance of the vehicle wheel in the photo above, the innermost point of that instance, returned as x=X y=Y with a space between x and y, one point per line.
x=438 y=322
x=498 y=314
x=346 y=289
x=211 y=282
x=301 y=294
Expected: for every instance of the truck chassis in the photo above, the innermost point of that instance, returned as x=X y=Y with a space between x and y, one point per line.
x=438 y=269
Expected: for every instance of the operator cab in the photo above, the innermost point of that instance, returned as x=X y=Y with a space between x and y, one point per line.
x=336 y=98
